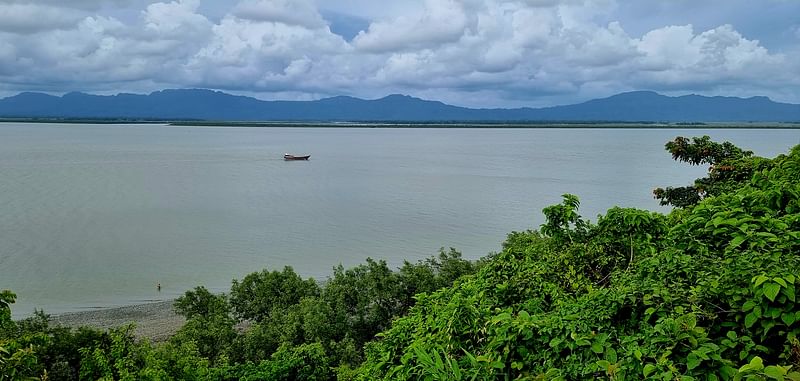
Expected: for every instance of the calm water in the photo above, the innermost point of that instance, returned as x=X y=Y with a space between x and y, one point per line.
x=97 y=215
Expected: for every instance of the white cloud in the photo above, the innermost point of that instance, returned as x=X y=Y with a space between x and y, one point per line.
x=677 y=55
x=103 y=52
x=263 y=54
x=601 y=47
x=175 y=19
x=472 y=52
x=441 y=21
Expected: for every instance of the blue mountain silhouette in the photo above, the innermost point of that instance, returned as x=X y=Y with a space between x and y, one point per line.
x=203 y=104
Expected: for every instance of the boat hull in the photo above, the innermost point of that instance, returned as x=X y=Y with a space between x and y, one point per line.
x=292 y=157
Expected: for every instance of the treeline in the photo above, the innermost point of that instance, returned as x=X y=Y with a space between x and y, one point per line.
x=707 y=292
x=296 y=328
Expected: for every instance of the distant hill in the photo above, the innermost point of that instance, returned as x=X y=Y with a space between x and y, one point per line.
x=643 y=106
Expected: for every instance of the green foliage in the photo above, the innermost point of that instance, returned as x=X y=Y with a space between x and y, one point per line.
x=18 y=360
x=175 y=362
x=17 y=363
x=7 y=298
x=704 y=151
x=699 y=294
x=564 y=224
x=60 y=355
x=305 y=362
x=729 y=168
x=259 y=294
x=212 y=335
x=201 y=303
x=209 y=327
x=351 y=308
x=430 y=275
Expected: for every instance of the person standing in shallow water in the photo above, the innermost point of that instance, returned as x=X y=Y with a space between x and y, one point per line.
x=158 y=286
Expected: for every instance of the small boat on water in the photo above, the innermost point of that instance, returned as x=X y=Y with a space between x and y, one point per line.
x=286 y=156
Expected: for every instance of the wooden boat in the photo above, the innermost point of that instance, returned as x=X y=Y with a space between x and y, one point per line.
x=286 y=156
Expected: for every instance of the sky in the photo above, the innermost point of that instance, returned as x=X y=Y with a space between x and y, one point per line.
x=475 y=53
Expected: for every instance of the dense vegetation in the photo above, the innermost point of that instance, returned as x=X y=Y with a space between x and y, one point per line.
x=707 y=292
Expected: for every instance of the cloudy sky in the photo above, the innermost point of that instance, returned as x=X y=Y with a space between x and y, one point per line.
x=479 y=53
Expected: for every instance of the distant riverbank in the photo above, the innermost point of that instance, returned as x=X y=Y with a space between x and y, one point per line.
x=490 y=125
x=416 y=124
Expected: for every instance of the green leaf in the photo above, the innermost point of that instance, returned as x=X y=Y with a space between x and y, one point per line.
x=691 y=321
x=757 y=281
x=750 y=319
x=756 y=363
x=702 y=353
x=774 y=372
x=789 y=292
x=779 y=281
x=648 y=369
x=505 y=316
x=730 y=221
x=736 y=241
x=789 y=278
x=766 y=326
x=597 y=348
x=771 y=290
x=748 y=305
x=727 y=372
x=794 y=376
x=692 y=361
x=743 y=354
x=611 y=355
x=439 y=363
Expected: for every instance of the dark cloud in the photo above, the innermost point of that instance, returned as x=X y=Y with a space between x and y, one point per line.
x=26 y=18
x=291 y=12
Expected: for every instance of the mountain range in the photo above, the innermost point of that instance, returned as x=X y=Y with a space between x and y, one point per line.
x=201 y=104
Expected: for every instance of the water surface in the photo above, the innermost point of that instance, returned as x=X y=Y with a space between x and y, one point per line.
x=97 y=215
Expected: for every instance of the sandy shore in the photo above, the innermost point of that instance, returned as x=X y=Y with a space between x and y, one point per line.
x=155 y=321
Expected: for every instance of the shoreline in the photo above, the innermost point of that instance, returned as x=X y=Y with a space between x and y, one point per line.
x=485 y=124
x=155 y=321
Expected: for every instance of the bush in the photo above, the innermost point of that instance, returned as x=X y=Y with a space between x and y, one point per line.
x=708 y=292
